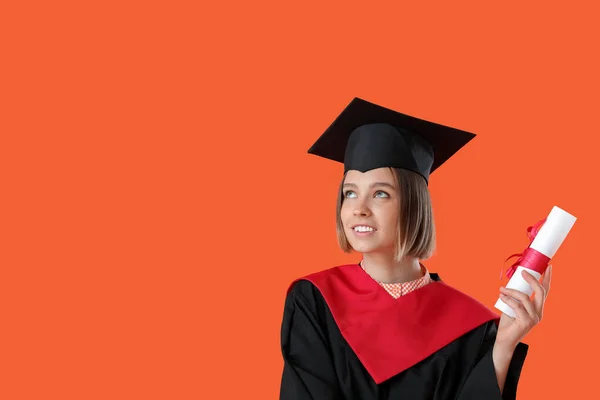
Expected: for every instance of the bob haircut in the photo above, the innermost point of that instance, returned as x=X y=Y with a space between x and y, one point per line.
x=416 y=229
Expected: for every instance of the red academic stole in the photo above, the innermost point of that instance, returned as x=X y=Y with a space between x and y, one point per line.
x=390 y=335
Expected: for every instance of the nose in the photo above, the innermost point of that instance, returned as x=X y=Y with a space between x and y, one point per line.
x=361 y=209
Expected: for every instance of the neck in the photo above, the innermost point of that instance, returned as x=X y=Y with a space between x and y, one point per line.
x=383 y=268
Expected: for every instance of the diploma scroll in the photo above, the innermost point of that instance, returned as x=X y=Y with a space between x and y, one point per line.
x=535 y=259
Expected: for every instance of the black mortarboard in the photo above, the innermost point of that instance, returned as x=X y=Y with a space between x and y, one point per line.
x=366 y=136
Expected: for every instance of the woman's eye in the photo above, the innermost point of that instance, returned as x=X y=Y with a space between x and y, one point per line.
x=349 y=193
x=382 y=193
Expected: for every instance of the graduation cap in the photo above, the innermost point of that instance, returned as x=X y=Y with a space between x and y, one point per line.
x=366 y=136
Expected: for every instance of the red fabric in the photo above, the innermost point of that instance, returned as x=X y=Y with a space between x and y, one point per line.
x=529 y=258
x=390 y=335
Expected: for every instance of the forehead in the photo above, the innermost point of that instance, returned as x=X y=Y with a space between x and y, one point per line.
x=374 y=175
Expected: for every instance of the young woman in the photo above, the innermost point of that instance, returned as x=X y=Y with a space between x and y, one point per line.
x=386 y=327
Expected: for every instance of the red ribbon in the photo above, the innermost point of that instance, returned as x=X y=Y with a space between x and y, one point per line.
x=529 y=258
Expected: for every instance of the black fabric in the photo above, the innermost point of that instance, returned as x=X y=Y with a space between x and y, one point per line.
x=319 y=364
x=366 y=136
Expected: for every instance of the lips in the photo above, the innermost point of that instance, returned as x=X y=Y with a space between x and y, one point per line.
x=363 y=228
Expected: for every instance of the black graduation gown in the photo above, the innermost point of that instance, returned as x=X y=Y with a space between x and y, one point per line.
x=344 y=337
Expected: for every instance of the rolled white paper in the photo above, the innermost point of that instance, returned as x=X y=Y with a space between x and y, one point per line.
x=547 y=241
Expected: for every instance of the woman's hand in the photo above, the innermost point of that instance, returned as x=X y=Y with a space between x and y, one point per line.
x=528 y=312
x=512 y=330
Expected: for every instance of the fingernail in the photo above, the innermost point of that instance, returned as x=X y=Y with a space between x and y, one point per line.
x=502 y=289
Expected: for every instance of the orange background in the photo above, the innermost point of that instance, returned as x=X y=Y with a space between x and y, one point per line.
x=158 y=198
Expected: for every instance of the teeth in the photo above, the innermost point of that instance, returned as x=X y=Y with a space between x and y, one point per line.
x=363 y=229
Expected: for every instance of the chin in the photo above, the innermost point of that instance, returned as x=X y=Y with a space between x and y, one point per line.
x=364 y=247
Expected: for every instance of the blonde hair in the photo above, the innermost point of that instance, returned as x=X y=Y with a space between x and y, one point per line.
x=416 y=228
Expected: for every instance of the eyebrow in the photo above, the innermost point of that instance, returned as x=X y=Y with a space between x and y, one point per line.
x=385 y=184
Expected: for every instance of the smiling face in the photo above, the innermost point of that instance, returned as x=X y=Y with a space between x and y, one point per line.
x=370 y=210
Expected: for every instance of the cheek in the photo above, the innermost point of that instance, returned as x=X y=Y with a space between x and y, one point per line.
x=345 y=213
x=390 y=219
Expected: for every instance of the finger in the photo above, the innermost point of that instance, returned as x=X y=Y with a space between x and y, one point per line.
x=547 y=278
x=516 y=306
x=540 y=292
x=517 y=294
x=524 y=299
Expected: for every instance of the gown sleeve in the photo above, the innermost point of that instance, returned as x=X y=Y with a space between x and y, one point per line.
x=481 y=382
x=308 y=371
